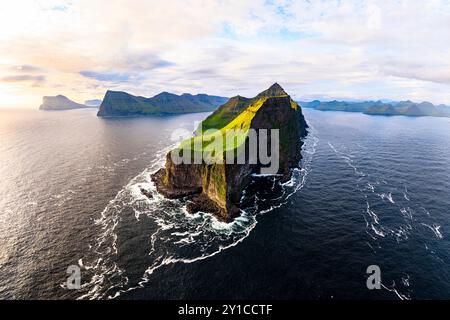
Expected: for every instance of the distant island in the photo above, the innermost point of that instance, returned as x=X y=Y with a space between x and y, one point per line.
x=60 y=102
x=95 y=103
x=217 y=187
x=402 y=108
x=118 y=103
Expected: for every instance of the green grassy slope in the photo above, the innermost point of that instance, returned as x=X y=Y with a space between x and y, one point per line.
x=233 y=108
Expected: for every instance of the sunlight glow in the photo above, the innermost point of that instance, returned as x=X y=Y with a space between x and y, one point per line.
x=338 y=50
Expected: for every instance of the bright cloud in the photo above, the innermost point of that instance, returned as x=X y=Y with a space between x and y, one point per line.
x=397 y=49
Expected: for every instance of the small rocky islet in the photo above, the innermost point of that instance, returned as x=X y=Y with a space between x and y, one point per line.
x=60 y=102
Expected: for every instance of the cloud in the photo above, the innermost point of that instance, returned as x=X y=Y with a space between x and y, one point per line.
x=424 y=72
x=36 y=80
x=138 y=61
x=106 y=76
x=347 y=49
x=61 y=7
x=25 y=69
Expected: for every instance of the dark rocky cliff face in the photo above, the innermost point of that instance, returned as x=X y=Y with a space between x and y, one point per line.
x=181 y=180
x=217 y=188
x=278 y=113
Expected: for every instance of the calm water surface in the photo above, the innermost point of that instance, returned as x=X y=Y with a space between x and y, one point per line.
x=372 y=190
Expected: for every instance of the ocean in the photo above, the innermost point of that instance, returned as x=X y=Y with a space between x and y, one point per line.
x=371 y=190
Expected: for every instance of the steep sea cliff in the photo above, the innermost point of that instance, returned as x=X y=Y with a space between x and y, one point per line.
x=217 y=187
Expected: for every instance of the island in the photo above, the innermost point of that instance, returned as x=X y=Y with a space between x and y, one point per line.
x=216 y=186
x=120 y=104
x=93 y=103
x=60 y=102
x=402 y=108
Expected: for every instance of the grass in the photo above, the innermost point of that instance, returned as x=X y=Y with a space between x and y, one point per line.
x=214 y=143
x=225 y=114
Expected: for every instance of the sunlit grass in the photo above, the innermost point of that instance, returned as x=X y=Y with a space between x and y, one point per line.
x=213 y=143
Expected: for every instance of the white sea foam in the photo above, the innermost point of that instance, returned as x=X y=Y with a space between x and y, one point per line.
x=371 y=247
x=372 y=214
x=435 y=228
x=407 y=212
x=203 y=233
x=405 y=194
x=347 y=159
x=255 y=175
x=394 y=290
x=405 y=280
x=387 y=196
x=377 y=231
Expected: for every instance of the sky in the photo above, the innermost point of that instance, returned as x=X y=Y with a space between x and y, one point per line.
x=335 y=49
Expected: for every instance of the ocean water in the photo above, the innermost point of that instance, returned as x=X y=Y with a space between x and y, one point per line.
x=371 y=191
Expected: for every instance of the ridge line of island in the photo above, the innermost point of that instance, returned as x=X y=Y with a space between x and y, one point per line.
x=216 y=187
x=122 y=104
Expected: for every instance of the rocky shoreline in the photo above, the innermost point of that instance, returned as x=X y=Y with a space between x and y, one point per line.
x=217 y=188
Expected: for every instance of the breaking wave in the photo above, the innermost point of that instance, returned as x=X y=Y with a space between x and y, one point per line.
x=176 y=236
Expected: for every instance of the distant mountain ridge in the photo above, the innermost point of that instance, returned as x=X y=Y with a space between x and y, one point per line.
x=402 y=108
x=119 y=103
x=60 y=102
x=93 y=103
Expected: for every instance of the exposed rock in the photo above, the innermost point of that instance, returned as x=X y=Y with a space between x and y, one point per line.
x=218 y=186
x=146 y=193
x=202 y=203
x=178 y=181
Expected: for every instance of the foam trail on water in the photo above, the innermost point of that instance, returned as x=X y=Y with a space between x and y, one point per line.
x=435 y=228
x=399 y=212
x=179 y=237
x=394 y=290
